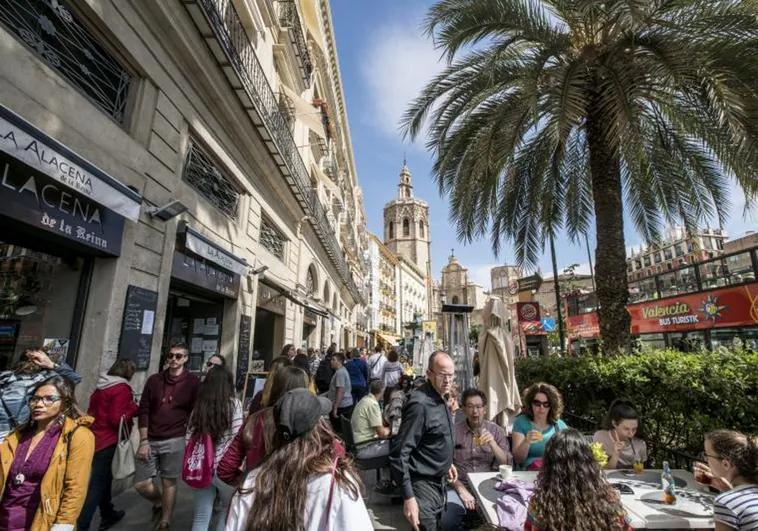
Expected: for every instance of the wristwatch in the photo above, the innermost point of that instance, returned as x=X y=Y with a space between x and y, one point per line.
x=56 y=366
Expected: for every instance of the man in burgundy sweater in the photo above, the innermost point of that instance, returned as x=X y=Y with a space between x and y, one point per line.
x=165 y=407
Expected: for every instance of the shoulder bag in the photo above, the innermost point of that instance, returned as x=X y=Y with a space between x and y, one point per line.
x=331 y=494
x=122 y=465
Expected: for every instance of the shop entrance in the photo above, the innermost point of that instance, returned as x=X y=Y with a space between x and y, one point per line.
x=269 y=336
x=195 y=321
x=42 y=300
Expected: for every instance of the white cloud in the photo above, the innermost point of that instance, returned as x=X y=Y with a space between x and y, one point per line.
x=397 y=63
x=480 y=274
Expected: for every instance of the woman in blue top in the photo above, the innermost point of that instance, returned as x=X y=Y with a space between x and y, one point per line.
x=540 y=420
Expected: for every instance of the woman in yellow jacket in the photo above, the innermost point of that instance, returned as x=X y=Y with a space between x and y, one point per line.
x=45 y=463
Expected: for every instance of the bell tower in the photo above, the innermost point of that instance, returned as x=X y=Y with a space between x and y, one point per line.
x=406 y=224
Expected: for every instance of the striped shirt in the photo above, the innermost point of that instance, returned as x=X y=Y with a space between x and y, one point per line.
x=738 y=508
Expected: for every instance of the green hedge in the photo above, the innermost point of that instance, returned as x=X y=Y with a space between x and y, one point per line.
x=679 y=396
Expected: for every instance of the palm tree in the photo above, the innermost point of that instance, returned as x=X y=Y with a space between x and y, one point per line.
x=550 y=113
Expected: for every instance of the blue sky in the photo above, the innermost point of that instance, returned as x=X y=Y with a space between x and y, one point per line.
x=385 y=61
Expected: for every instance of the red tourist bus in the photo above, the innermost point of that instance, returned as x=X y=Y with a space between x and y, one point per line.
x=709 y=304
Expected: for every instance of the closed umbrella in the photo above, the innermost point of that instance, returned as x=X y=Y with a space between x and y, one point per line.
x=497 y=377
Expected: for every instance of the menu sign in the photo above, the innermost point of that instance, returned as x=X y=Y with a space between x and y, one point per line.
x=726 y=307
x=243 y=349
x=137 y=326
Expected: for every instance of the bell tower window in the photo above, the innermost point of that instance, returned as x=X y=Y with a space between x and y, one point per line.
x=391 y=231
x=406 y=227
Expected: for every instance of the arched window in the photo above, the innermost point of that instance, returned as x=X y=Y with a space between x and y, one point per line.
x=391 y=231
x=406 y=227
x=421 y=228
x=455 y=299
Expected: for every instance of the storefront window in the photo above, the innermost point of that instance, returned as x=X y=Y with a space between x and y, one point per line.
x=38 y=295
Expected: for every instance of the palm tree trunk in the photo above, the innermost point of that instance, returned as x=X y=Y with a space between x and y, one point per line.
x=610 y=253
x=557 y=287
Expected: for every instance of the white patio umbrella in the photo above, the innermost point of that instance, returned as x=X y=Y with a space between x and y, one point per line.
x=497 y=376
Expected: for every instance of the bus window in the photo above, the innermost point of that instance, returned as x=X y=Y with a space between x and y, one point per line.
x=643 y=290
x=738 y=268
x=724 y=337
x=687 y=341
x=678 y=282
x=652 y=341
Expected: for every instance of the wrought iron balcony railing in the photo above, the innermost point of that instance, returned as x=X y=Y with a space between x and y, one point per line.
x=289 y=19
x=218 y=20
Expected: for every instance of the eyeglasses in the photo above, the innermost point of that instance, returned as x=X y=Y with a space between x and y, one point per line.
x=47 y=400
x=537 y=403
x=211 y=364
x=172 y=356
x=704 y=455
x=443 y=376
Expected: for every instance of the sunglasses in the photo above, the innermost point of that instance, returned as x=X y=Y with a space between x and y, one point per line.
x=47 y=400
x=175 y=356
x=211 y=364
x=537 y=403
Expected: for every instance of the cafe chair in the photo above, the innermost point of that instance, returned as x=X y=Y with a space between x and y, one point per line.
x=374 y=463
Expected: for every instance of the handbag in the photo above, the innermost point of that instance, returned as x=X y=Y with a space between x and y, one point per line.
x=122 y=465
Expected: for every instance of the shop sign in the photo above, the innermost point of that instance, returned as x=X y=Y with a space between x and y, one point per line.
x=271 y=299
x=528 y=311
x=24 y=142
x=198 y=244
x=309 y=317
x=726 y=307
x=37 y=200
x=429 y=327
x=584 y=325
x=530 y=283
x=204 y=274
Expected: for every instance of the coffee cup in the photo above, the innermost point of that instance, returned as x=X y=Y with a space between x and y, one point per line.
x=505 y=472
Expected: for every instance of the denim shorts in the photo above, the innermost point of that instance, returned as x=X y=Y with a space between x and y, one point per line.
x=166 y=460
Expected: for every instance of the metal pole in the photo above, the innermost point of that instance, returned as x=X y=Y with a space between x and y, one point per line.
x=557 y=285
x=589 y=256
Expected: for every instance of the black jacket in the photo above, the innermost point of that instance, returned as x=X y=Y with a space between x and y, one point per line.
x=423 y=448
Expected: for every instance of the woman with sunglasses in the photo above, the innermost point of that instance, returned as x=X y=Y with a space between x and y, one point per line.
x=45 y=463
x=539 y=421
x=733 y=469
x=216 y=360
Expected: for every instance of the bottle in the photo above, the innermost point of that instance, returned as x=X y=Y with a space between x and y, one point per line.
x=668 y=484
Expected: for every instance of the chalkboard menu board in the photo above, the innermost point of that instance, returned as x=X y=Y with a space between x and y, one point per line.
x=137 y=326
x=243 y=350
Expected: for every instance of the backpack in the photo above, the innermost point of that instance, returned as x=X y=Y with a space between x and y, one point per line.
x=324 y=375
x=199 y=455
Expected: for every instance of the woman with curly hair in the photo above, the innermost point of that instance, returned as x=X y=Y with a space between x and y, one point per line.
x=733 y=469
x=571 y=493
x=539 y=421
x=317 y=491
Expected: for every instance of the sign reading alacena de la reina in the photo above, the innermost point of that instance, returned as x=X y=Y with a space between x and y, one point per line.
x=26 y=143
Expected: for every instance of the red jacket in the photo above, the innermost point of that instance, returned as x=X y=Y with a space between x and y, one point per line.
x=112 y=399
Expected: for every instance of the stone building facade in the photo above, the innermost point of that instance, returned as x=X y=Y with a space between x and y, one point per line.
x=193 y=180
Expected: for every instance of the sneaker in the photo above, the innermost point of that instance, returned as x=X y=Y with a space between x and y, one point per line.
x=113 y=519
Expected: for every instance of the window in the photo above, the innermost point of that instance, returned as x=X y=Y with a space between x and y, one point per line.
x=391 y=231
x=406 y=227
x=56 y=34
x=647 y=261
x=271 y=239
x=421 y=229
x=204 y=175
x=668 y=253
x=455 y=299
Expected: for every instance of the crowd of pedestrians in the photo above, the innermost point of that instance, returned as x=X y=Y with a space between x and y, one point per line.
x=282 y=464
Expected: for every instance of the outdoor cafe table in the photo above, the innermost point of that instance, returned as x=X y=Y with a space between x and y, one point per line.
x=693 y=509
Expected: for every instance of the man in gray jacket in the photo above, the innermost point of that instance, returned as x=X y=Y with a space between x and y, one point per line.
x=16 y=386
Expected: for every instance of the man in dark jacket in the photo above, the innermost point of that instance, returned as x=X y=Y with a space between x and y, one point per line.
x=167 y=402
x=421 y=458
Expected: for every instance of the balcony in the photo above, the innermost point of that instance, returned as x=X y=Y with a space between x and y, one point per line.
x=219 y=25
x=289 y=19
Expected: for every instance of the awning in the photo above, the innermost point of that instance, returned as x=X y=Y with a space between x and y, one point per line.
x=532 y=328
x=392 y=339
x=300 y=301
x=199 y=244
x=305 y=112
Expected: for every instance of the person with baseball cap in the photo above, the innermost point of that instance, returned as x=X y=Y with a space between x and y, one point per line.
x=304 y=468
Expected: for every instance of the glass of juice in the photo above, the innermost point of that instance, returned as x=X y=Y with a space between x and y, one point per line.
x=638 y=466
x=703 y=477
